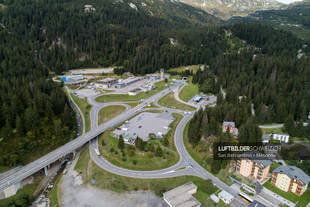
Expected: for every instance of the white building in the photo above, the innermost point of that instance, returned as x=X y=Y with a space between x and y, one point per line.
x=281 y=137
x=134 y=92
x=214 y=198
x=89 y=8
x=182 y=196
x=225 y=197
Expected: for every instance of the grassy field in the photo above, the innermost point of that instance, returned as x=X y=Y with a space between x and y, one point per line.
x=54 y=198
x=106 y=180
x=188 y=92
x=133 y=105
x=274 y=130
x=124 y=97
x=201 y=153
x=85 y=108
x=170 y=102
x=109 y=112
x=194 y=68
x=152 y=105
x=137 y=160
x=302 y=200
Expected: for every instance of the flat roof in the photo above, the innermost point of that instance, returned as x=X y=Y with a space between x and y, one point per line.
x=92 y=70
x=224 y=194
x=129 y=80
x=107 y=80
x=229 y=123
x=181 y=197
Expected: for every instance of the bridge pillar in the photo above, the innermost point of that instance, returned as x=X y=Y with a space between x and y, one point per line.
x=45 y=171
x=74 y=153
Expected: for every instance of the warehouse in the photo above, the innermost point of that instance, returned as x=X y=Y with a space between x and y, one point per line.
x=108 y=82
x=126 y=82
x=182 y=196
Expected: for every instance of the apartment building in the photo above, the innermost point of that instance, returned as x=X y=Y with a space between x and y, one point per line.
x=253 y=168
x=290 y=179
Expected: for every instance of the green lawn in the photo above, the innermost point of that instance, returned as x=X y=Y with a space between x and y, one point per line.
x=302 y=200
x=73 y=87
x=133 y=105
x=201 y=153
x=194 y=68
x=188 y=92
x=109 y=112
x=85 y=108
x=137 y=160
x=152 y=105
x=106 y=180
x=274 y=130
x=125 y=97
x=54 y=198
x=170 y=102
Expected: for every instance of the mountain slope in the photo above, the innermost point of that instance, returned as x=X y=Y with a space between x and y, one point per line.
x=228 y=8
x=173 y=10
x=295 y=18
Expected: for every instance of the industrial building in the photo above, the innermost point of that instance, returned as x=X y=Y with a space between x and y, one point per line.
x=145 y=124
x=108 y=82
x=73 y=79
x=182 y=196
x=123 y=83
x=134 y=92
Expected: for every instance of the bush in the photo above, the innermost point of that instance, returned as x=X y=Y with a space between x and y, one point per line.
x=131 y=152
x=149 y=154
x=134 y=162
x=103 y=143
x=112 y=149
x=208 y=187
x=124 y=159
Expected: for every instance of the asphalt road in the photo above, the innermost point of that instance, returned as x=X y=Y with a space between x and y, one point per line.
x=185 y=166
x=60 y=152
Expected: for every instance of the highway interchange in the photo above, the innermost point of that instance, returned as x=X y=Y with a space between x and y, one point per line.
x=185 y=166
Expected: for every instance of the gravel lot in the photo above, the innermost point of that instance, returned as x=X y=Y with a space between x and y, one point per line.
x=75 y=194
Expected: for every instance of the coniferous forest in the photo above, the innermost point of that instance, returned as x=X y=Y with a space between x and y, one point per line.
x=252 y=63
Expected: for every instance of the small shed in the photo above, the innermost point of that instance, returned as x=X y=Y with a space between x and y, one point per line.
x=214 y=198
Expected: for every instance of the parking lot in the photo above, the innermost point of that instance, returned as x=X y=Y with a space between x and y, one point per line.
x=144 y=124
x=85 y=93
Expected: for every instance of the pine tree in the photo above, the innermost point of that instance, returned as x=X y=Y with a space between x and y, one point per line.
x=121 y=144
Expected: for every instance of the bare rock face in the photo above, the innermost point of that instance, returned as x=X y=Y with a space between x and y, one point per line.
x=227 y=8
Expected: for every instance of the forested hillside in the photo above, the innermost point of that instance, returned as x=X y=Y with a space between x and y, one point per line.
x=35 y=116
x=45 y=36
x=267 y=72
x=115 y=34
